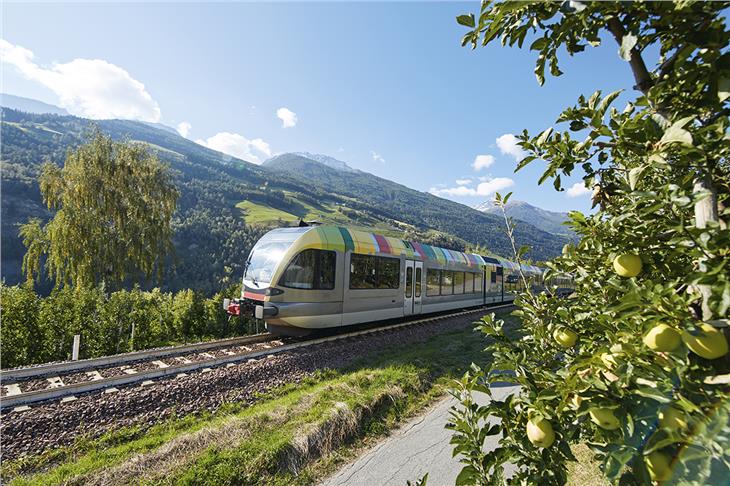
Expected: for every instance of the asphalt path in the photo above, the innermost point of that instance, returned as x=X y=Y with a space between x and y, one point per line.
x=421 y=446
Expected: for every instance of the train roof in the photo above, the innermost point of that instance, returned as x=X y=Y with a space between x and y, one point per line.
x=340 y=238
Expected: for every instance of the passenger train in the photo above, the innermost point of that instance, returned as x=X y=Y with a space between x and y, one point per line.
x=306 y=278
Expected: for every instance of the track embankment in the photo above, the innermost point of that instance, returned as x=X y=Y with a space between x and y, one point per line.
x=54 y=424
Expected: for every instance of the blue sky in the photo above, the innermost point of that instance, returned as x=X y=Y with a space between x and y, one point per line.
x=383 y=86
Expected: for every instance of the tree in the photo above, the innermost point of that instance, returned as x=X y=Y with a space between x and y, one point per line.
x=635 y=362
x=114 y=202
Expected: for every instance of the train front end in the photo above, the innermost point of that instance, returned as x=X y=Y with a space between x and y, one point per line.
x=260 y=270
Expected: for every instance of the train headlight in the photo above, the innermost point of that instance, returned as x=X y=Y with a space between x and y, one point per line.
x=272 y=291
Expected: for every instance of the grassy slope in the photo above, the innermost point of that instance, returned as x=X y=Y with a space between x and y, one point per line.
x=281 y=438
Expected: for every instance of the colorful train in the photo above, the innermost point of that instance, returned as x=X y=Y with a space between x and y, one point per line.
x=306 y=278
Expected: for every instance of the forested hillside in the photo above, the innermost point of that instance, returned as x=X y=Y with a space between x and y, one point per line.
x=226 y=203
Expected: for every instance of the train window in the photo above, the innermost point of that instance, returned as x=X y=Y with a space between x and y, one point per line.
x=418 y=282
x=468 y=283
x=409 y=282
x=493 y=278
x=478 y=282
x=447 y=282
x=311 y=269
x=362 y=272
x=458 y=282
x=433 y=278
x=371 y=272
x=388 y=273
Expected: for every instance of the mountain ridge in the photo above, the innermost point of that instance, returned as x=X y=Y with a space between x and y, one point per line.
x=550 y=221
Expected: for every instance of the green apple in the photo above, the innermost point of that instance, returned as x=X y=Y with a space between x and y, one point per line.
x=565 y=337
x=710 y=345
x=627 y=265
x=662 y=338
x=604 y=418
x=672 y=418
x=659 y=465
x=540 y=432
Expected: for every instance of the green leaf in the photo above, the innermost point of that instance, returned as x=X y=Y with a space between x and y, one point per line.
x=466 y=476
x=635 y=176
x=539 y=44
x=677 y=134
x=543 y=137
x=723 y=88
x=506 y=198
x=627 y=43
x=467 y=20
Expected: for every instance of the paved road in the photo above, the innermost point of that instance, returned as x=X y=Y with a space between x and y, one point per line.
x=419 y=447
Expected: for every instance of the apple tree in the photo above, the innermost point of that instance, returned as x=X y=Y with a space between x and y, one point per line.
x=635 y=361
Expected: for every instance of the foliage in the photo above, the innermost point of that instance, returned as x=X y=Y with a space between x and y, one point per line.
x=661 y=183
x=40 y=329
x=113 y=203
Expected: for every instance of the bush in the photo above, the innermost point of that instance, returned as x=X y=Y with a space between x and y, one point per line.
x=40 y=329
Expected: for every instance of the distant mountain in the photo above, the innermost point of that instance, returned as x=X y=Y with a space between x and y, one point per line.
x=226 y=204
x=161 y=126
x=29 y=105
x=549 y=221
x=281 y=160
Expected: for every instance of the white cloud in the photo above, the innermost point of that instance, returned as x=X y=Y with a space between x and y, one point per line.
x=577 y=190
x=377 y=157
x=463 y=182
x=239 y=146
x=507 y=144
x=288 y=118
x=483 y=189
x=490 y=187
x=482 y=162
x=91 y=88
x=183 y=128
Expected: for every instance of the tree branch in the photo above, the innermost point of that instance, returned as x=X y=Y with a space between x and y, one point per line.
x=642 y=76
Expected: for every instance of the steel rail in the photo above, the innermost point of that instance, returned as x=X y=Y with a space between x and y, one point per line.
x=86 y=387
x=64 y=367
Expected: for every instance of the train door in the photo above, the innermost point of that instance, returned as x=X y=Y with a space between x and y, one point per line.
x=408 y=288
x=417 y=287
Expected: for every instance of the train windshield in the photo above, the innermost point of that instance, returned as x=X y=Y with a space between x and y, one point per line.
x=267 y=253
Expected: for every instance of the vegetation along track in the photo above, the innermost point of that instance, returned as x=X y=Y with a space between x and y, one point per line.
x=64 y=380
x=238 y=380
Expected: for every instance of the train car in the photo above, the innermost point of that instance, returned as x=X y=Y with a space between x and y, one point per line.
x=306 y=278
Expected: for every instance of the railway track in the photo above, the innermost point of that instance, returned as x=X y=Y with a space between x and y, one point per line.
x=64 y=381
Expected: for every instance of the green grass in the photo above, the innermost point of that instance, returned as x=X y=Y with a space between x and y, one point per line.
x=256 y=213
x=295 y=434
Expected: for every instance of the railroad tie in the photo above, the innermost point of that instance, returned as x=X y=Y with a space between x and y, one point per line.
x=160 y=364
x=183 y=360
x=129 y=371
x=228 y=352
x=207 y=355
x=94 y=375
x=12 y=389
x=69 y=398
x=55 y=382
